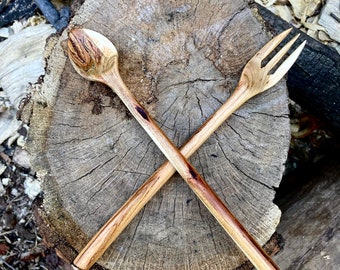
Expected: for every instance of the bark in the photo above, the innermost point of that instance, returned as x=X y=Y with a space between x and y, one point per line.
x=15 y=10
x=314 y=80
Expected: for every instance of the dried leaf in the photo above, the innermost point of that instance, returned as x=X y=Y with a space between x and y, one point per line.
x=330 y=19
x=304 y=8
x=285 y=13
x=4 y=248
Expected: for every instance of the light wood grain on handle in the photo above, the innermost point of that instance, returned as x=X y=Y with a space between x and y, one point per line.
x=117 y=223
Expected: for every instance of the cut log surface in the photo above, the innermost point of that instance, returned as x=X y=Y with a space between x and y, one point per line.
x=181 y=59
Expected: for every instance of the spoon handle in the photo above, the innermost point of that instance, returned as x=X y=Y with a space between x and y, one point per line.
x=109 y=232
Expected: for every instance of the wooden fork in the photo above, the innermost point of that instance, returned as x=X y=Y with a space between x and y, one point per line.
x=254 y=80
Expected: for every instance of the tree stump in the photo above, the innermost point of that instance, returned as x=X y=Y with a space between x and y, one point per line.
x=181 y=60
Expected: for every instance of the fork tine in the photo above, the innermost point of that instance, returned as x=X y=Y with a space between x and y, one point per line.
x=277 y=57
x=284 y=67
x=272 y=44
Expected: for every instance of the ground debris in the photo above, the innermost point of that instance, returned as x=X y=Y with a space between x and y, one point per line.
x=20 y=245
x=311 y=140
x=318 y=19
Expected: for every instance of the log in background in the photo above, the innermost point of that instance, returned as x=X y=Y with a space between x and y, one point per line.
x=181 y=59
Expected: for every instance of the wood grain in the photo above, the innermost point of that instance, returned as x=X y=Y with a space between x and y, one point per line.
x=178 y=60
x=21 y=64
x=310 y=219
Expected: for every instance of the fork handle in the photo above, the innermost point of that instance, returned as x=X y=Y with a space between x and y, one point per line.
x=108 y=233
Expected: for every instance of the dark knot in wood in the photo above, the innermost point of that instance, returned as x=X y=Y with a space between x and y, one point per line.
x=141 y=111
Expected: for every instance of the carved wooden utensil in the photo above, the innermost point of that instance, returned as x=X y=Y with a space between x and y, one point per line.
x=95 y=58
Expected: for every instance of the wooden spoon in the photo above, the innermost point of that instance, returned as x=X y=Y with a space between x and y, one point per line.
x=95 y=58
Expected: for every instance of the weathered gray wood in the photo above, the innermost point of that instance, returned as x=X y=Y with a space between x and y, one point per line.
x=181 y=59
x=330 y=19
x=310 y=220
x=22 y=63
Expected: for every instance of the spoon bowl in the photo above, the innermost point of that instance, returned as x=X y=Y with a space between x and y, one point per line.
x=91 y=54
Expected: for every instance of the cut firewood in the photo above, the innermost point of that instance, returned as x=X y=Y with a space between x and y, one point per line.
x=22 y=63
